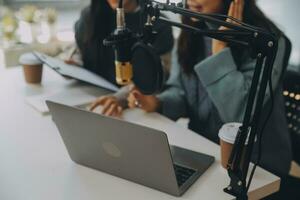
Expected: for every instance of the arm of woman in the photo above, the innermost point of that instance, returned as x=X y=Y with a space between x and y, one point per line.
x=228 y=86
x=171 y=102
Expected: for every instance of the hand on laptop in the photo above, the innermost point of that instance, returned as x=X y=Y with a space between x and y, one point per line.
x=110 y=104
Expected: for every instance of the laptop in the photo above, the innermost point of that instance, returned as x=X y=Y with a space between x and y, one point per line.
x=126 y=150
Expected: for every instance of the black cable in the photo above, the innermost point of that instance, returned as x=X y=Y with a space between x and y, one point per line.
x=261 y=134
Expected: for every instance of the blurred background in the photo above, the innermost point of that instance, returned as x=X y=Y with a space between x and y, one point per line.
x=29 y=23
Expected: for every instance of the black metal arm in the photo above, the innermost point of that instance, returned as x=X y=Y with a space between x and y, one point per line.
x=264 y=45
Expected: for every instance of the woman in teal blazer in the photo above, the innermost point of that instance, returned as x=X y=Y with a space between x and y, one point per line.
x=210 y=82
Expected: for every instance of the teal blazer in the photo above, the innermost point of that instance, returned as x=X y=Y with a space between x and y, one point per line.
x=217 y=93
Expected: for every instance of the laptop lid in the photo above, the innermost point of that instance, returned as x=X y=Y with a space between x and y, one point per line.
x=133 y=152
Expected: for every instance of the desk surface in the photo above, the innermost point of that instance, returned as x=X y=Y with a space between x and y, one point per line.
x=35 y=164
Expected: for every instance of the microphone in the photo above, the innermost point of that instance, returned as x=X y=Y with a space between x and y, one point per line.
x=148 y=75
x=122 y=40
x=123 y=66
x=135 y=59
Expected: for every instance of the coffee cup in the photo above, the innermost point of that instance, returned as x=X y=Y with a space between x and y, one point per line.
x=32 y=67
x=227 y=135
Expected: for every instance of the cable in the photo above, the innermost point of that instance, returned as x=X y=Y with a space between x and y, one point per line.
x=261 y=134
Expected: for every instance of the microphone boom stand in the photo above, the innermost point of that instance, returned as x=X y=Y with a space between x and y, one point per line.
x=264 y=45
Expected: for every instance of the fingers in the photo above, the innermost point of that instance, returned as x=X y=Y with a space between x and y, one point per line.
x=119 y=111
x=94 y=105
x=110 y=105
x=71 y=62
x=236 y=9
x=231 y=11
x=229 y=14
x=138 y=99
x=241 y=9
x=136 y=94
x=107 y=105
x=191 y=3
x=131 y=100
x=135 y=99
x=97 y=103
x=112 y=110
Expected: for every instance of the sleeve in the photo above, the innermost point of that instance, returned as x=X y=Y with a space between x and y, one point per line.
x=229 y=87
x=173 y=103
x=122 y=95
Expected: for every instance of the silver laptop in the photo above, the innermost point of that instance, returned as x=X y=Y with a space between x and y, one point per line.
x=133 y=152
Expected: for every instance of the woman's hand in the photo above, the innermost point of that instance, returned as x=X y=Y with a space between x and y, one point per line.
x=111 y=106
x=71 y=62
x=149 y=103
x=236 y=11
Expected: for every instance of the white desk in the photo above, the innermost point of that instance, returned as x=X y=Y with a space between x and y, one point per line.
x=34 y=163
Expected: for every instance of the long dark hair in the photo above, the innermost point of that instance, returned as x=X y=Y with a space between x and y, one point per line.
x=99 y=22
x=191 y=47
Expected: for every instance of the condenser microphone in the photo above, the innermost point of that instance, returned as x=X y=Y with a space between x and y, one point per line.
x=123 y=66
x=122 y=40
x=135 y=59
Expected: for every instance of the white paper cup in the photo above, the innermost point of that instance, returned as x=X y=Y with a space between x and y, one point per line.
x=227 y=135
x=32 y=67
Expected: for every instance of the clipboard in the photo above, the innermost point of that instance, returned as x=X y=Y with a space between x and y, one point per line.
x=75 y=72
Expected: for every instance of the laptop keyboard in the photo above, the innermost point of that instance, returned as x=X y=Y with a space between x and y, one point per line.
x=182 y=174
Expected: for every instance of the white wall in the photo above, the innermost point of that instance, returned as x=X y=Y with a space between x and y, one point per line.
x=286 y=14
x=68 y=10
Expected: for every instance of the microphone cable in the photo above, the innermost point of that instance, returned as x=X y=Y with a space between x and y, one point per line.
x=259 y=152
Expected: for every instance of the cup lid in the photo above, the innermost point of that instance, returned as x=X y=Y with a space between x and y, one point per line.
x=229 y=131
x=29 y=59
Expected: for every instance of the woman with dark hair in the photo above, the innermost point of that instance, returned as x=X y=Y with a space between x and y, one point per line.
x=210 y=83
x=97 y=22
